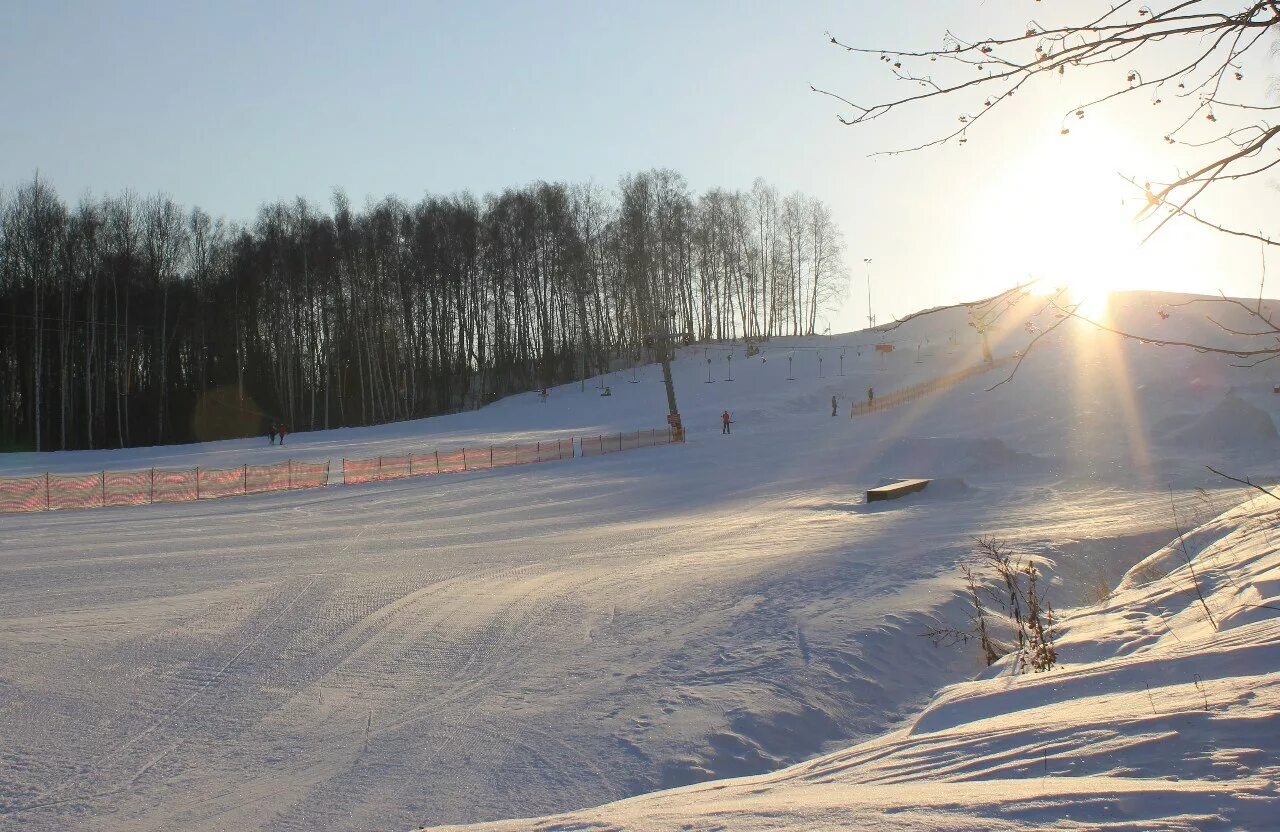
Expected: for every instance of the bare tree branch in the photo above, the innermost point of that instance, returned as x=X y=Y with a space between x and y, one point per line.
x=1217 y=42
x=1246 y=481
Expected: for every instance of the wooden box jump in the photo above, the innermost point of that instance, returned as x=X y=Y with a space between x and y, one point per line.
x=893 y=491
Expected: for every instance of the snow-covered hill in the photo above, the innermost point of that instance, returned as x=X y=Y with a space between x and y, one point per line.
x=539 y=639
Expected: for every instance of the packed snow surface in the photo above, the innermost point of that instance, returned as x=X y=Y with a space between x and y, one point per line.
x=533 y=640
x=1162 y=714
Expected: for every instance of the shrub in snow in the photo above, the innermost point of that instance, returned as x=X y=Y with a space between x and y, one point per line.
x=1009 y=612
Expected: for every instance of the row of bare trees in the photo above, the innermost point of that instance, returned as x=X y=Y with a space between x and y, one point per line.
x=131 y=321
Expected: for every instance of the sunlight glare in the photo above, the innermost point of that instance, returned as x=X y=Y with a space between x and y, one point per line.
x=1078 y=232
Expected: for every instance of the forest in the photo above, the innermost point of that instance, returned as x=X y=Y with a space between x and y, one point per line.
x=131 y=321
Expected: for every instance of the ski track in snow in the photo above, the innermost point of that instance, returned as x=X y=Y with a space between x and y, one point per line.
x=536 y=639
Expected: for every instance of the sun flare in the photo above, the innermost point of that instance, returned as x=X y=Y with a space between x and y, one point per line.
x=1081 y=233
x=1089 y=298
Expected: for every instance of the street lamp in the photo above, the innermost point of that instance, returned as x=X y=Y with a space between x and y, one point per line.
x=871 y=319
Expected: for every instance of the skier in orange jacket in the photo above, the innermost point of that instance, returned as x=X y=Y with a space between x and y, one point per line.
x=725 y=421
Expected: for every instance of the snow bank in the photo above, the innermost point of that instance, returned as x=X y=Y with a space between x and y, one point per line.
x=1231 y=422
x=1164 y=713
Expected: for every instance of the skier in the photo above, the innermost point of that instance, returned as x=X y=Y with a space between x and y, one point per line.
x=833 y=407
x=725 y=421
x=871 y=396
x=282 y=432
x=271 y=432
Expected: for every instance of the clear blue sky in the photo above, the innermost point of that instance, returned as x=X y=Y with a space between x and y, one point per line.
x=229 y=105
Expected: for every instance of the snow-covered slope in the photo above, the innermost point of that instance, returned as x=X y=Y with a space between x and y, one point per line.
x=538 y=639
x=1163 y=714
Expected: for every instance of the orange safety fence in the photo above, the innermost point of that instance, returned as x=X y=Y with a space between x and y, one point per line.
x=611 y=443
x=915 y=392
x=49 y=492
x=127 y=488
x=424 y=464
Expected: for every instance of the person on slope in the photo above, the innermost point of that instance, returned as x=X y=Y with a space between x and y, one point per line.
x=282 y=432
x=725 y=421
x=271 y=432
x=833 y=407
x=871 y=396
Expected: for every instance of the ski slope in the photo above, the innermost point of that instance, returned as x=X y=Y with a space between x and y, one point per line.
x=1157 y=717
x=532 y=640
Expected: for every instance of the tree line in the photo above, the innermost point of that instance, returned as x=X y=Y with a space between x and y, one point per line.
x=129 y=321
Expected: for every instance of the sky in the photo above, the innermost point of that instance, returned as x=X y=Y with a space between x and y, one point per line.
x=235 y=104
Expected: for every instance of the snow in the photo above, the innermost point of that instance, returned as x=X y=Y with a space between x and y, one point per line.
x=1154 y=719
x=543 y=638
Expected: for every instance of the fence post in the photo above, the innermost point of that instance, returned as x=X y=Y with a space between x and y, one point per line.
x=490 y=456
x=619 y=440
x=539 y=452
x=246 y=478
x=153 y=486
x=411 y=463
x=104 y=488
x=379 y=468
x=327 y=462
x=437 y=453
x=344 y=470
x=48 y=504
x=197 y=482
x=291 y=474
x=464 y=459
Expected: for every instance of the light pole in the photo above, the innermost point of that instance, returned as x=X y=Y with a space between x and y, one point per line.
x=871 y=319
x=730 y=360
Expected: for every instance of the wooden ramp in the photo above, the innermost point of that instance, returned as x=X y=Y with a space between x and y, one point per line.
x=901 y=488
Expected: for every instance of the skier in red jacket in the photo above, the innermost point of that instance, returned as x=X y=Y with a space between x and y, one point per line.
x=282 y=432
x=725 y=421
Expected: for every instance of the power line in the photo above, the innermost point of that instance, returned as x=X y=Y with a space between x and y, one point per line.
x=21 y=317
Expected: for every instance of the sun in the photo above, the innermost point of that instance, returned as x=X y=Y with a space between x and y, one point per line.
x=1071 y=225
x=1089 y=295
